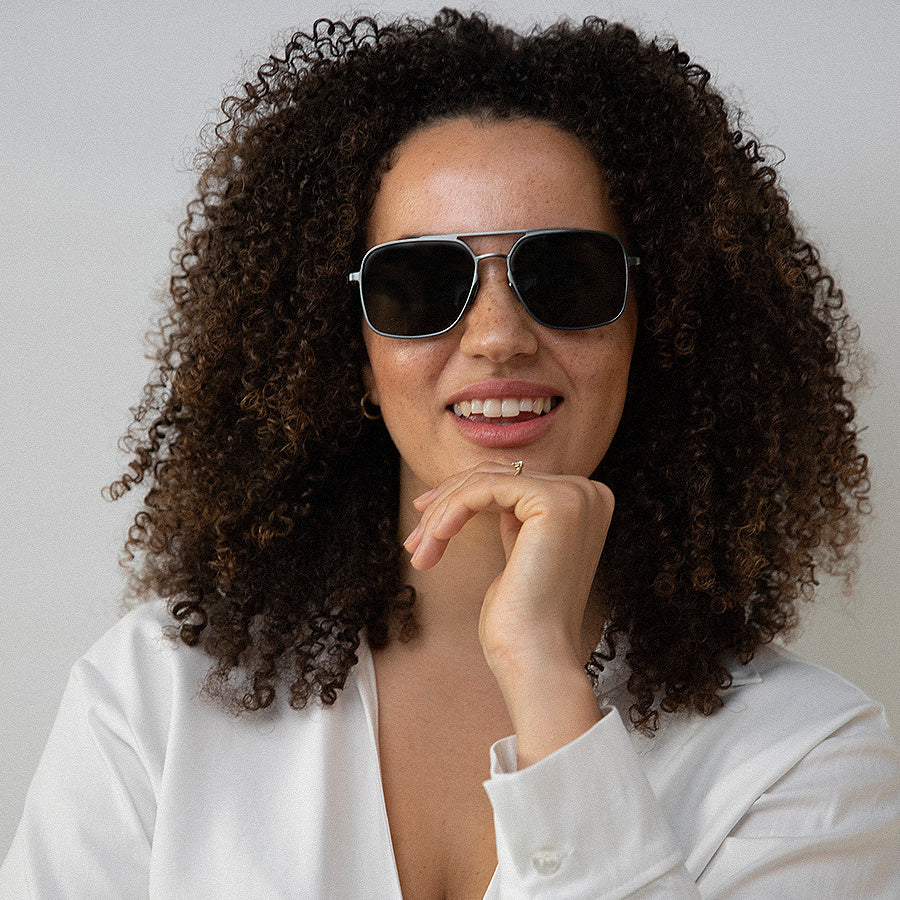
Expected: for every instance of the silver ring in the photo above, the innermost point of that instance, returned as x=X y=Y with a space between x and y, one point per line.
x=518 y=465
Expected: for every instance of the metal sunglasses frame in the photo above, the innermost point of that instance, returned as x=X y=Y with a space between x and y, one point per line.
x=630 y=263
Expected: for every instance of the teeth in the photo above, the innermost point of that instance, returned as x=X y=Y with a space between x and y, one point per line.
x=502 y=408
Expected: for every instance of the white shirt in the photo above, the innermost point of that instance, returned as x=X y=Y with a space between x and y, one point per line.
x=145 y=789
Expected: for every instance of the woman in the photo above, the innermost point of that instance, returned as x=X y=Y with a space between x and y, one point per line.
x=581 y=405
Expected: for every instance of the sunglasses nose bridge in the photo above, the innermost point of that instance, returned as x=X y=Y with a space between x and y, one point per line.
x=477 y=258
x=480 y=256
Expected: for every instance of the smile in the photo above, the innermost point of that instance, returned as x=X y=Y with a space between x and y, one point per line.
x=508 y=409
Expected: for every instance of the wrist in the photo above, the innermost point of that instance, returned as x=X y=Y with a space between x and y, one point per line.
x=551 y=702
x=523 y=655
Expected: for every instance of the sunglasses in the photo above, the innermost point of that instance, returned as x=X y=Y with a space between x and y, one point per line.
x=566 y=278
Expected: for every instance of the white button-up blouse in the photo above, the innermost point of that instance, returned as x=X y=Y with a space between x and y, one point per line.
x=145 y=789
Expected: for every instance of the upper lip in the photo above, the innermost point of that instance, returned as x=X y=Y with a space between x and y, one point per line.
x=502 y=389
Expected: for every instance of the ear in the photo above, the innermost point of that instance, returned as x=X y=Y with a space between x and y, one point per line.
x=369 y=382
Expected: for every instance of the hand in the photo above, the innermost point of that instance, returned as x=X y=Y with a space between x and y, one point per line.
x=552 y=528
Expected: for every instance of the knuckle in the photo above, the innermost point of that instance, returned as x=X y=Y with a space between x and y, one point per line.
x=605 y=493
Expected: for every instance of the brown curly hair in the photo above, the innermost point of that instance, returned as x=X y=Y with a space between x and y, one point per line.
x=271 y=515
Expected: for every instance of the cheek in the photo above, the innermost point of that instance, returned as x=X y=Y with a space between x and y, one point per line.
x=397 y=370
x=383 y=372
x=617 y=384
x=605 y=379
x=604 y=362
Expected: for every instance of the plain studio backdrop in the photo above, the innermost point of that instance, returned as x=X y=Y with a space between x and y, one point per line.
x=102 y=103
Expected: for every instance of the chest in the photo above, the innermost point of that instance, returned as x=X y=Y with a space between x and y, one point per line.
x=434 y=756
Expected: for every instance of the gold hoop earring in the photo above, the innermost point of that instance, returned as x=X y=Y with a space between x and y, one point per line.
x=369 y=409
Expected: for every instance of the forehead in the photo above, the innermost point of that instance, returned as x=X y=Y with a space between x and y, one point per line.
x=467 y=175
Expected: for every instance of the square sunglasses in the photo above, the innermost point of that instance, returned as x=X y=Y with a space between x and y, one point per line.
x=567 y=279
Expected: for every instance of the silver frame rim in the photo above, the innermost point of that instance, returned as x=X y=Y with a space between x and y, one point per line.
x=630 y=263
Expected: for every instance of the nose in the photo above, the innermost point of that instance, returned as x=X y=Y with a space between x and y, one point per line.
x=496 y=325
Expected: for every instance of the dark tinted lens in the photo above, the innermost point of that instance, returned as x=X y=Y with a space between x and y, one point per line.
x=416 y=288
x=571 y=279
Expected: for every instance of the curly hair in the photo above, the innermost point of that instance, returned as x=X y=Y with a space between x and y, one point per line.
x=270 y=519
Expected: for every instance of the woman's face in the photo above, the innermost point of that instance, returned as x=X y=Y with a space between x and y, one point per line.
x=462 y=176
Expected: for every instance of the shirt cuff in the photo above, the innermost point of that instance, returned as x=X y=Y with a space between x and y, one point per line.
x=581 y=823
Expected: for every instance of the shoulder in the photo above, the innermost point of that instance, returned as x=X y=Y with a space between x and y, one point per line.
x=788 y=695
x=778 y=710
x=143 y=627
x=141 y=651
x=781 y=714
x=777 y=672
x=136 y=679
x=793 y=740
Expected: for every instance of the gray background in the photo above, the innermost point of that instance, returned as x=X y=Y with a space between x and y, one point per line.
x=101 y=104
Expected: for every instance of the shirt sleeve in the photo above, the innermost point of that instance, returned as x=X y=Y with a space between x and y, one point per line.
x=585 y=823
x=88 y=821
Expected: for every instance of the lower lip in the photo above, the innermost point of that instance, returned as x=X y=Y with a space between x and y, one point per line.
x=513 y=435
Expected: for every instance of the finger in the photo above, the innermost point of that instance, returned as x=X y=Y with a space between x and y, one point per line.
x=479 y=491
x=421 y=502
x=426 y=499
x=427 y=546
x=430 y=497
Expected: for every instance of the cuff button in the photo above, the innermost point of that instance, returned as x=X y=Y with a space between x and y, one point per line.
x=545 y=862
